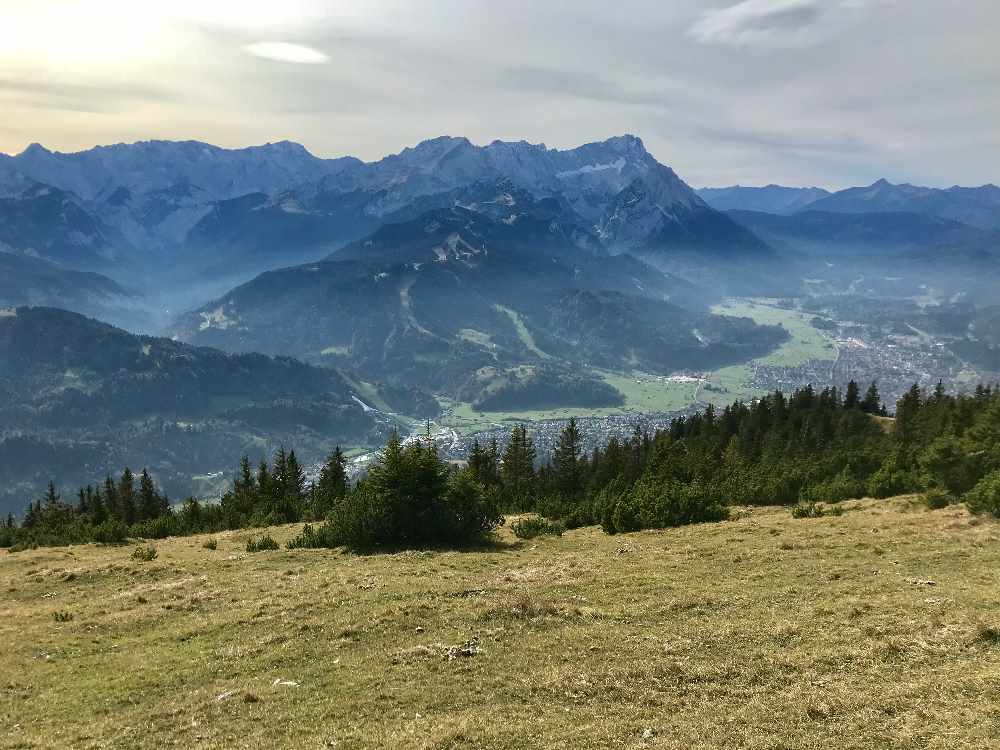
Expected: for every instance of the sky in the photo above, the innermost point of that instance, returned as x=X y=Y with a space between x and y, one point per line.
x=800 y=92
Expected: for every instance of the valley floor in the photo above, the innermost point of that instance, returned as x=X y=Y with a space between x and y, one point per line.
x=875 y=629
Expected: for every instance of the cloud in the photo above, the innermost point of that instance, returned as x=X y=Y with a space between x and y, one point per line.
x=82 y=97
x=286 y=52
x=773 y=23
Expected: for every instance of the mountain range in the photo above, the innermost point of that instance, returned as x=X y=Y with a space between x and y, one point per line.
x=461 y=295
x=314 y=300
x=974 y=206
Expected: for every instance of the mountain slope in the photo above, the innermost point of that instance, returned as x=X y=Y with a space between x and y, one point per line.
x=975 y=206
x=880 y=234
x=74 y=382
x=25 y=280
x=55 y=225
x=438 y=300
x=157 y=165
x=774 y=199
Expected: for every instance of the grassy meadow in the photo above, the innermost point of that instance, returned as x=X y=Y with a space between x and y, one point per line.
x=878 y=628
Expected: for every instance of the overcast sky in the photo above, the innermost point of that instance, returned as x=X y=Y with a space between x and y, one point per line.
x=825 y=92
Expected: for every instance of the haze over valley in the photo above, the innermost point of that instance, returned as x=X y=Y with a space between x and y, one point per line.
x=476 y=287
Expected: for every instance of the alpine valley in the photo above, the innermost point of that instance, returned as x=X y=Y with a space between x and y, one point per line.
x=176 y=304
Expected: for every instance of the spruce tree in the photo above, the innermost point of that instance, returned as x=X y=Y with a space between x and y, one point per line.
x=149 y=501
x=126 y=498
x=566 y=462
x=111 y=504
x=872 y=402
x=517 y=466
x=332 y=485
x=852 y=398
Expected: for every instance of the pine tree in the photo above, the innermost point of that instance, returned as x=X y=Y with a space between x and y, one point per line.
x=294 y=485
x=149 y=501
x=332 y=485
x=52 y=497
x=517 y=466
x=907 y=413
x=852 y=398
x=566 y=462
x=111 y=504
x=32 y=514
x=479 y=463
x=98 y=511
x=126 y=498
x=872 y=402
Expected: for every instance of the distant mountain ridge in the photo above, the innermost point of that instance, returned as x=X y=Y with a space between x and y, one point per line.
x=154 y=180
x=880 y=234
x=975 y=206
x=775 y=199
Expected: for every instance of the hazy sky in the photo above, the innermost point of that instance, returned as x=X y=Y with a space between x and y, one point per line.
x=828 y=92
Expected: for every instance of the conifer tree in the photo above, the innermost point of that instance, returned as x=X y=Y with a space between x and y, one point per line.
x=111 y=504
x=149 y=505
x=332 y=485
x=517 y=466
x=872 y=402
x=126 y=498
x=852 y=398
x=566 y=462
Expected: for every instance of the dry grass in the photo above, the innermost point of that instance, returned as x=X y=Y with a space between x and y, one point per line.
x=876 y=629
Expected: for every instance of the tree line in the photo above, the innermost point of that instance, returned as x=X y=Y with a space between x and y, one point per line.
x=810 y=446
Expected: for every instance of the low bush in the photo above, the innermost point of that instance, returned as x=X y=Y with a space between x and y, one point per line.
x=210 y=544
x=535 y=526
x=815 y=510
x=313 y=537
x=144 y=554
x=111 y=532
x=985 y=496
x=936 y=498
x=265 y=543
x=807 y=510
x=654 y=504
x=843 y=486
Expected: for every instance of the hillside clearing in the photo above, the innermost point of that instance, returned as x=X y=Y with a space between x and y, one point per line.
x=874 y=629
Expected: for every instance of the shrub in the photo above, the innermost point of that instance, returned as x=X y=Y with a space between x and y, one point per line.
x=985 y=496
x=835 y=489
x=815 y=510
x=263 y=544
x=111 y=532
x=947 y=464
x=411 y=499
x=936 y=498
x=572 y=514
x=157 y=528
x=807 y=510
x=313 y=537
x=890 y=479
x=144 y=554
x=210 y=544
x=529 y=528
x=62 y=616
x=654 y=504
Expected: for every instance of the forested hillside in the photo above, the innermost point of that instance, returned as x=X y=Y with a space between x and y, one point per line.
x=809 y=450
